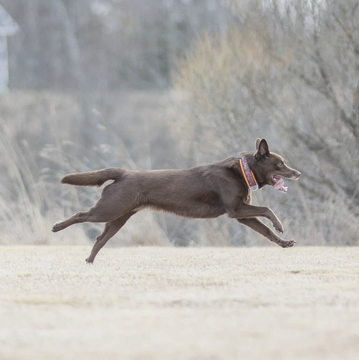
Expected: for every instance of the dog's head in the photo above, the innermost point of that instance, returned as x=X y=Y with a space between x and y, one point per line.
x=269 y=168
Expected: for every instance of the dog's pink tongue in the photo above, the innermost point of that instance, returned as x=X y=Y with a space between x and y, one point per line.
x=279 y=185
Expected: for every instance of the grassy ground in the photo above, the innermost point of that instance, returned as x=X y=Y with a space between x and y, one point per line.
x=179 y=303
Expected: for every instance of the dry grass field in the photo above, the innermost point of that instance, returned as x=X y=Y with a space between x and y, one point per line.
x=179 y=303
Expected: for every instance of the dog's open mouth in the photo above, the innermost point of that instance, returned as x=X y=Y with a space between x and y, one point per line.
x=279 y=183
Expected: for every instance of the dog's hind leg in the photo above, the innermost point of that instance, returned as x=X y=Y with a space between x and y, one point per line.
x=111 y=228
x=79 y=217
x=114 y=203
x=83 y=216
x=101 y=212
x=264 y=230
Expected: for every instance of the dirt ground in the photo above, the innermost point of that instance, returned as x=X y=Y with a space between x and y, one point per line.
x=179 y=303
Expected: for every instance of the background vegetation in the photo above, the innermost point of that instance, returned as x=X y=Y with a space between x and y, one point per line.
x=170 y=84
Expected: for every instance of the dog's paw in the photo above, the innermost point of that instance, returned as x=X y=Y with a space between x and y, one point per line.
x=89 y=261
x=56 y=227
x=286 y=244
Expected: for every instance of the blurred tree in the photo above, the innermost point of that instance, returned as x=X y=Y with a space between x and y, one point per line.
x=105 y=44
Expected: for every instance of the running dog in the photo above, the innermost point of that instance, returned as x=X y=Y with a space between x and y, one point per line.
x=206 y=191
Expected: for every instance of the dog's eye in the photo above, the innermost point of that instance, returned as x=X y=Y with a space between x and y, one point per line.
x=280 y=164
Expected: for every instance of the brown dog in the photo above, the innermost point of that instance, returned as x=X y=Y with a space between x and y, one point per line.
x=205 y=191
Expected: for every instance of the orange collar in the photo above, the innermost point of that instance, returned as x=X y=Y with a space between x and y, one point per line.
x=248 y=174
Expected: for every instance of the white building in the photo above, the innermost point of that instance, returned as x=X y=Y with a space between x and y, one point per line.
x=8 y=27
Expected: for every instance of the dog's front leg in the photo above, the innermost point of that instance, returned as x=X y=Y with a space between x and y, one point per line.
x=245 y=211
x=264 y=230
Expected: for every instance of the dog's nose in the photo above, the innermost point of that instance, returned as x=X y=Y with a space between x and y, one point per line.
x=298 y=174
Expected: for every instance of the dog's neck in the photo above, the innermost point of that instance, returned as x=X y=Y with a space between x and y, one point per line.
x=247 y=173
x=252 y=166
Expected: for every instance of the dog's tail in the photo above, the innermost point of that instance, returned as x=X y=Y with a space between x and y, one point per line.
x=93 y=178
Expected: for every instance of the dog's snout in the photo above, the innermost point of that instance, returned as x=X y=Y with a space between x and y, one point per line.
x=297 y=175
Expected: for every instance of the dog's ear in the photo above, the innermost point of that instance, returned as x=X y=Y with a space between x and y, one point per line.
x=257 y=143
x=262 y=149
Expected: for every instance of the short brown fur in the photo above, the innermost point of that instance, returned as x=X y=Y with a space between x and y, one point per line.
x=201 y=192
